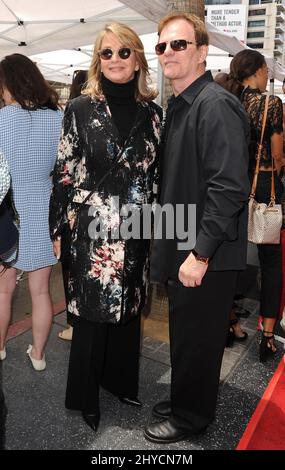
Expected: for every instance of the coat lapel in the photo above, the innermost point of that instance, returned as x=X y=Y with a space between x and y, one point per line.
x=102 y=114
x=103 y=118
x=142 y=115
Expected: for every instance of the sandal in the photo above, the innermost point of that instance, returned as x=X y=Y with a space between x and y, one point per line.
x=66 y=334
x=267 y=347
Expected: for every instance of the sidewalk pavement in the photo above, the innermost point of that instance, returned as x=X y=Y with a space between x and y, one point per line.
x=37 y=418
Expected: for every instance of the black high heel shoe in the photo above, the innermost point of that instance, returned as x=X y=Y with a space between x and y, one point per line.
x=232 y=337
x=92 y=419
x=265 y=346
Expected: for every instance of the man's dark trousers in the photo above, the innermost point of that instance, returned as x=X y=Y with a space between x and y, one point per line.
x=198 y=324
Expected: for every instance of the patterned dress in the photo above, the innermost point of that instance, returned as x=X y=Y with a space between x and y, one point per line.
x=29 y=141
x=109 y=275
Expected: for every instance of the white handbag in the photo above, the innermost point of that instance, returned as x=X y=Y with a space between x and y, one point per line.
x=264 y=221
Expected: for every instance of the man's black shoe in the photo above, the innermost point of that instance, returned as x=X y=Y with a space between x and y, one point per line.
x=165 y=432
x=162 y=409
x=131 y=401
x=92 y=419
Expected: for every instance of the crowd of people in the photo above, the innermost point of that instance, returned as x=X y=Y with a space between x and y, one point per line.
x=106 y=152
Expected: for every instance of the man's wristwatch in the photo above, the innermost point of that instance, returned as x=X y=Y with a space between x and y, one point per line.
x=200 y=259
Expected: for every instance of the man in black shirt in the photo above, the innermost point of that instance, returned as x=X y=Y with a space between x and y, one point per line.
x=204 y=163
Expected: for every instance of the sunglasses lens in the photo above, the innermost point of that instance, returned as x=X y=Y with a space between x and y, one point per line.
x=106 y=54
x=124 y=52
x=160 y=48
x=178 y=44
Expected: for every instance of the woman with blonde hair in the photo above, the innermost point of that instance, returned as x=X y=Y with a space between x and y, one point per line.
x=108 y=158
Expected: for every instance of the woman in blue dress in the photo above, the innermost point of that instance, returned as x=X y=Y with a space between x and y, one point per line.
x=30 y=126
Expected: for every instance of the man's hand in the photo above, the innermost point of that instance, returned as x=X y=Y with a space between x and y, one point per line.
x=191 y=272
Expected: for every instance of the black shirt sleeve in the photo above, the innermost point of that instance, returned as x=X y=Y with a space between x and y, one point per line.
x=223 y=134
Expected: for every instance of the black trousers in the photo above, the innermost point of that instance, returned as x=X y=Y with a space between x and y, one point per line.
x=270 y=256
x=198 y=325
x=270 y=259
x=102 y=354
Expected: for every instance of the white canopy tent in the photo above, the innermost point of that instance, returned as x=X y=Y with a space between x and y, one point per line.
x=68 y=27
x=40 y=26
x=32 y=27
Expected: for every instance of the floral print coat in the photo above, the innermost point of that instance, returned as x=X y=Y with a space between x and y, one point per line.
x=108 y=275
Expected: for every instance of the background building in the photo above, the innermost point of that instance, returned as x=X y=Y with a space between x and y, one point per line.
x=264 y=25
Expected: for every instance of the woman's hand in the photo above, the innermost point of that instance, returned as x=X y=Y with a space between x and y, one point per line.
x=71 y=223
x=57 y=247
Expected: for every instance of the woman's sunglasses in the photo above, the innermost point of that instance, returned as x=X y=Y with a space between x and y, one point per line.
x=176 y=45
x=107 y=53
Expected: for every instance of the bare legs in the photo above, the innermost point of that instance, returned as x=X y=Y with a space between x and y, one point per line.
x=7 y=287
x=42 y=311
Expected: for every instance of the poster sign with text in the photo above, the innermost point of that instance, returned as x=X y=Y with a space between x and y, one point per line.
x=229 y=19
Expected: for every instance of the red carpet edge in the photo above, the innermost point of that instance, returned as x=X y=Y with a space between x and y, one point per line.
x=261 y=408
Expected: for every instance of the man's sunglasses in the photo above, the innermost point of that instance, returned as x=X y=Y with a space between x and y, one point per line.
x=176 y=45
x=107 y=53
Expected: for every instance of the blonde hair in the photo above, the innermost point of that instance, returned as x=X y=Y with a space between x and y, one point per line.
x=201 y=34
x=128 y=38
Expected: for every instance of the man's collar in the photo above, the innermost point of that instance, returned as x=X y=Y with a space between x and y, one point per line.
x=194 y=89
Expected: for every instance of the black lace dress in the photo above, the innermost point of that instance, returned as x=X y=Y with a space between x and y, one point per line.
x=254 y=103
x=269 y=255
